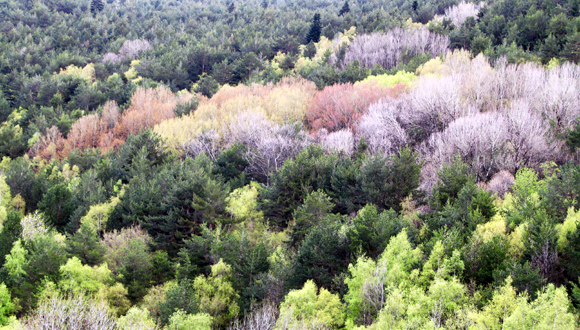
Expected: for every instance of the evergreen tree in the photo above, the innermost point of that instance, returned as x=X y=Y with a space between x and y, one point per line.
x=315 y=30
x=231 y=7
x=310 y=50
x=345 y=9
x=97 y=6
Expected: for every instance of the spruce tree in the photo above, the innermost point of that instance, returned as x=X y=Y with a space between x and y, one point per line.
x=345 y=9
x=315 y=30
x=97 y=6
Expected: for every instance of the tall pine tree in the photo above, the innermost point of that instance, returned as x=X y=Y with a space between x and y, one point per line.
x=345 y=9
x=97 y=6
x=315 y=30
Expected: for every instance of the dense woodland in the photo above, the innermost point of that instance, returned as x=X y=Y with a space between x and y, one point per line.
x=289 y=164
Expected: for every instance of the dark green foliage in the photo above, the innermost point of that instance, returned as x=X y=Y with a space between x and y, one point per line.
x=573 y=137
x=452 y=178
x=21 y=180
x=230 y=164
x=310 y=50
x=173 y=202
x=315 y=30
x=483 y=258
x=179 y=296
x=207 y=86
x=386 y=181
x=315 y=209
x=86 y=245
x=346 y=9
x=56 y=205
x=525 y=278
x=371 y=231
x=248 y=261
x=322 y=257
x=11 y=232
x=96 y=6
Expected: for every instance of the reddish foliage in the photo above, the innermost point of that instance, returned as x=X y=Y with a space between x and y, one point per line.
x=109 y=130
x=341 y=106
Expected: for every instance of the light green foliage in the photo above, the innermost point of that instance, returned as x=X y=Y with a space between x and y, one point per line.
x=361 y=272
x=551 y=310
x=399 y=258
x=16 y=261
x=568 y=227
x=388 y=81
x=77 y=278
x=305 y=307
x=243 y=203
x=136 y=318
x=5 y=199
x=216 y=294
x=181 y=321
x=97 y=216
x=527 y=184
x=6 y=305
x=498 y=309
x=369 y=281
x=438 y=266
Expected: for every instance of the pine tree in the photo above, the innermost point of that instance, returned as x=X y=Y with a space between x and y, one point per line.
x=345 y=9
x=315 y=30
x=231 y=7
x=310 y=50
x=97 y=6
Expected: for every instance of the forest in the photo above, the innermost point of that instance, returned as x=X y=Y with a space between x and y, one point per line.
x=289 y=164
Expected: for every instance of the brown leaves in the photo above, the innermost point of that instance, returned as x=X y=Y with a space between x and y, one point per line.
x=109 y=130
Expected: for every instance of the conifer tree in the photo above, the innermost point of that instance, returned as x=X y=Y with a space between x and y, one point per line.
x=315 y=30
x=97 y=6
x=345 y=9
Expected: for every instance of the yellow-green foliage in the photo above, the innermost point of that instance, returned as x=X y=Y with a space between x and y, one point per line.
x=281 y=103
x=98 y=214
x=388 y=81
x=568 y=227
x=132 y=73
x=509 y=311
x=306 y=307
x=5 y=200
x=78 y=278
x=87 y=73
x=487 y=231
x=323 y=47
x=216 y=295
x=182 y=321
x=136 y=318
x=517 y=240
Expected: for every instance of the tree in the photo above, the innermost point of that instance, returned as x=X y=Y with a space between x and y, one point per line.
x=311 y=308
x=96 y=6
x=56 y=205
x=7 y=307
x=181 y=321
x=216 y=294
x=345 y=9
x=315 y=30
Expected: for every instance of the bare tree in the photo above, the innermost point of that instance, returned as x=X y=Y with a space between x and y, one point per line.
x=387 y=49
x=381 y=128
x=262 y=318
x=73 y=313
x=461 y=11
x=132 y=48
